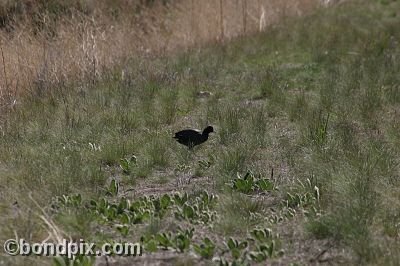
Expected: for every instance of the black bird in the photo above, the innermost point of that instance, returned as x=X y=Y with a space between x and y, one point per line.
x=192 y=137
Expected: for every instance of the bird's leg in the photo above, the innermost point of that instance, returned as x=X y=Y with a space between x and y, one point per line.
x=192 y=154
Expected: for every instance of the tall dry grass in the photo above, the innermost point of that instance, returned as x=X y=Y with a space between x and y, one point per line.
x=39 y=52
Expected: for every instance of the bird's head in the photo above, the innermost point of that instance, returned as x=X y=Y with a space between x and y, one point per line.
x=208 y=130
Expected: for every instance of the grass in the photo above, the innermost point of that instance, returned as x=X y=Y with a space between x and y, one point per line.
x=312 y=104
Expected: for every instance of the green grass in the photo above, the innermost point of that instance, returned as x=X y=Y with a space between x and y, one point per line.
x=316 y=99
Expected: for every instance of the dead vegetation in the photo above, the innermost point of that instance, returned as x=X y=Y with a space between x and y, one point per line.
x=48 y=43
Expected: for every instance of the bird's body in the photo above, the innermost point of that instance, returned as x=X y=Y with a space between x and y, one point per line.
x=193 y=137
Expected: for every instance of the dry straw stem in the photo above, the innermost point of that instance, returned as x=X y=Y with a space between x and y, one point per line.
x=79 y=47
x=54 y=232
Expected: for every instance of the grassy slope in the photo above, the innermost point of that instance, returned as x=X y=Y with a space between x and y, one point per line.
x=316 y=99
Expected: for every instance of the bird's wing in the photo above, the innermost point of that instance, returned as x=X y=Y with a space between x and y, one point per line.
x=187 y=133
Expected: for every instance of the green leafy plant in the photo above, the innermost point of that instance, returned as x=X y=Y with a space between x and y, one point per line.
x=168 y=240
x=113 y=189
x=164 y=240
x=249 y=183
x=265 y=251
x=235 y=247
x=265 y=185
x=244 y=184
x=79 y=260
x=206 y=249
x=123 y=229
x=197 y=209
x=70 y=200
x=128 y=164
x=123 y=205
x=204 y=164
x=180 y=199
x=161 y=204
x=236 y=262
x=150 y=245
x=261 y=235
x=275 y=218
x=305 y=195
x=182 y=239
